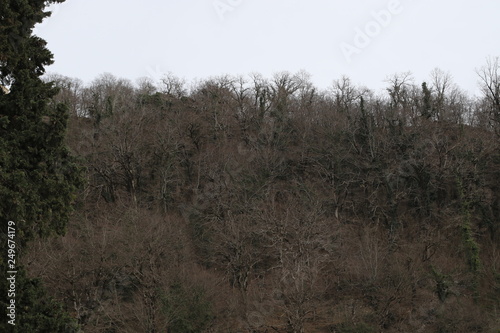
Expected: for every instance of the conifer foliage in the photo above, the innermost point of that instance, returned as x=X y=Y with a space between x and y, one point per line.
x=38 y=177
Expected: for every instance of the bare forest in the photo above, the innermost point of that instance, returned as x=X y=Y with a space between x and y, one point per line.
x=264 y=204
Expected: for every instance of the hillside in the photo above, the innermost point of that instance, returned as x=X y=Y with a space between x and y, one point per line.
x=265 y=205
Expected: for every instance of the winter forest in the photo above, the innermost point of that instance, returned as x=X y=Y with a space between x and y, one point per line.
x=249 y=203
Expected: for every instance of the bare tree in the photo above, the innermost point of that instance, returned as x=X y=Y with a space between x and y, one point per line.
x=283 y=87
x=489 y=76
x=441 y=81
x=146 y=85
x=400 y=87
x=241 y=95
x=70 y=92
x=345 y=93
x=171 y=85
x=399 y=84
x=301 y=237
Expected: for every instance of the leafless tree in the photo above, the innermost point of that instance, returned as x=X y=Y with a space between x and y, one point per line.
x=399 y=84
x=70 y=92
x=441 y=82
x=345 y=93
x=300 y=236
x=489 y=76
x=171 y=85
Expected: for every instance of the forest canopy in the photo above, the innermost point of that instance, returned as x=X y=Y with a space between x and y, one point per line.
x=265 y=204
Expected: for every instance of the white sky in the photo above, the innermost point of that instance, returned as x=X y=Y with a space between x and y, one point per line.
x=191 y=39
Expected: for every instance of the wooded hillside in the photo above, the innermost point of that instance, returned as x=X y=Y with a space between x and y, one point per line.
x=252 y=204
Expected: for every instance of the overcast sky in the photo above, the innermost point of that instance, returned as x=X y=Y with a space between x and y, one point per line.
x=367 y=40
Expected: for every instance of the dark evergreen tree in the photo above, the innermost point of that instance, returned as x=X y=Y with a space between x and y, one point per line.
x=426 y=102
x=38 y=176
